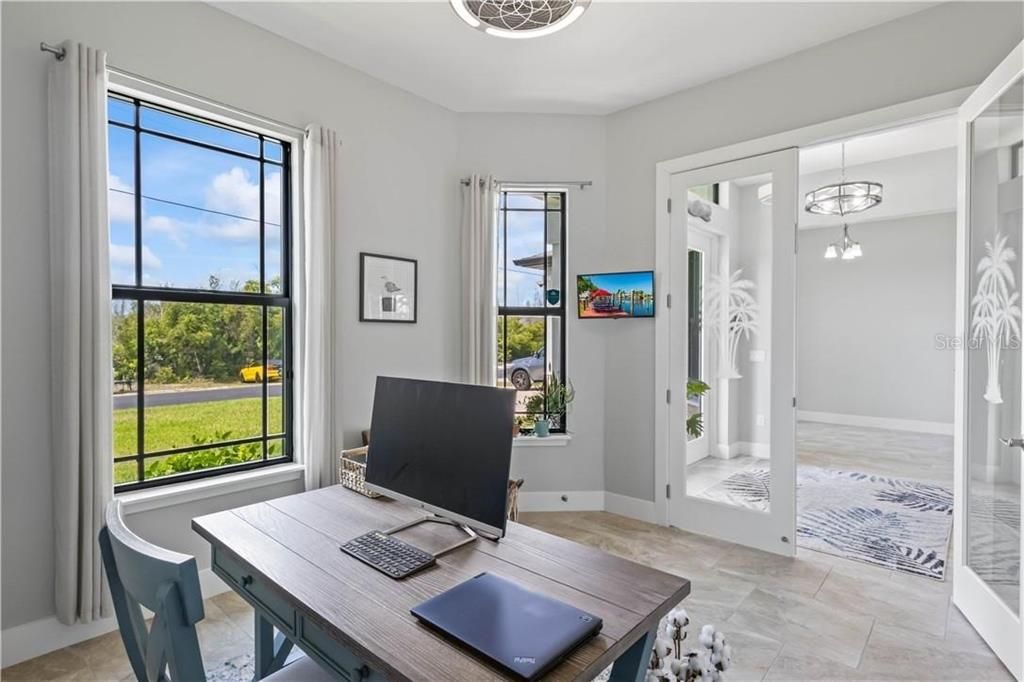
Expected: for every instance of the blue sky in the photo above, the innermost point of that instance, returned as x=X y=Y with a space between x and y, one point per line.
x=526 y=237
x=627 y=281
x=181 y=245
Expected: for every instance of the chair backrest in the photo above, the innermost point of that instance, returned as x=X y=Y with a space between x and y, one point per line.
x=165 y=582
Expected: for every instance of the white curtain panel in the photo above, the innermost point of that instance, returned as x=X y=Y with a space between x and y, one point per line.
x=81 y=370
x=479 y=215
x=315 y=406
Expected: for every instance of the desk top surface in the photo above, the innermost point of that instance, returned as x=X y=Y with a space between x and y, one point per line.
x=293 y=543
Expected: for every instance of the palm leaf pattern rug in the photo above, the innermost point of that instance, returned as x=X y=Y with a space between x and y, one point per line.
x=894 y=523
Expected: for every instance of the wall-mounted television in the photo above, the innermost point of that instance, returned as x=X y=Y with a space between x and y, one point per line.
x=615 y=295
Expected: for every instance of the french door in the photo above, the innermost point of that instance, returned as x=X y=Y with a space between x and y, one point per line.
x=736 y=480
x=988 y=445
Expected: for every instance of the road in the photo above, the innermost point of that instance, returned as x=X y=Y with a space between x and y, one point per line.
x=123 y=401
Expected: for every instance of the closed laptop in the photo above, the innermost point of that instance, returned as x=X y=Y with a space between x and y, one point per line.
x=520 y=630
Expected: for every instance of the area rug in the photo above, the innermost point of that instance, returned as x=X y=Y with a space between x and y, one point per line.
x=894 y=523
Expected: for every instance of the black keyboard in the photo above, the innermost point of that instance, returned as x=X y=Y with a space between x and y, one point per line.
x=387 y=554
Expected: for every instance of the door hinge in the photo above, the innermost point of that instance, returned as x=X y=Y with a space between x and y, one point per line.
x=668 y=301
x=668 y=491
x=668 y=395
x=794 y=401
x=670 y=205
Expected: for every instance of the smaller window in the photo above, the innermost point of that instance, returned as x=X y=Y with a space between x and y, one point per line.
x=707 y=192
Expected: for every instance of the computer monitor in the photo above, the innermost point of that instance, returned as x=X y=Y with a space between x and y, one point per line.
x=443 y=447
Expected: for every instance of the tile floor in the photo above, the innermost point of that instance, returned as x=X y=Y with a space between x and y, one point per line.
x=918 y=456
x=815 y=617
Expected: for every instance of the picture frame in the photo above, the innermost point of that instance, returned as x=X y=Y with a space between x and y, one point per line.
x=388 y=288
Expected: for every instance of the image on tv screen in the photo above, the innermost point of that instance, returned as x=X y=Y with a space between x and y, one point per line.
x=615 y=294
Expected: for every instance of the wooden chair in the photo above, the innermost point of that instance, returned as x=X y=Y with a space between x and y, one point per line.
x=141 y=574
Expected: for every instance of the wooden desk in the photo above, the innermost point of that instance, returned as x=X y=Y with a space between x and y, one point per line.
x=283 y=557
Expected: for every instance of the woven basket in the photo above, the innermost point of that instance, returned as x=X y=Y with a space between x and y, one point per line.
x=352 y=471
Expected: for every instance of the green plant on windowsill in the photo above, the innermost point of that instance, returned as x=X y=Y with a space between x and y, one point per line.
x=695 y=388
x=550 y=405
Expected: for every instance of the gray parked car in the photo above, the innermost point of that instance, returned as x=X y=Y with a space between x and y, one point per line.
x=522 y=372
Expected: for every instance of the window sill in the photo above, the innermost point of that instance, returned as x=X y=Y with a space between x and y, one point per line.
x=558 y=440
x=181 y=493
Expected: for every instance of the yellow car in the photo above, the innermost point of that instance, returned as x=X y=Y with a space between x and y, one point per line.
x=254 y=373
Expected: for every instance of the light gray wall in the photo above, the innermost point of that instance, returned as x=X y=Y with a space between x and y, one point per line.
x=866 y=329
x=555 y=148
x=940 y=49
x=398 y=196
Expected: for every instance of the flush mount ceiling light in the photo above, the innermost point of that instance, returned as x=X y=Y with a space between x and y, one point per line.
x=844 y=197
x=519 y=18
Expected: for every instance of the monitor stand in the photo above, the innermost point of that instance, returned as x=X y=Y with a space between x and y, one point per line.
x=434 y=518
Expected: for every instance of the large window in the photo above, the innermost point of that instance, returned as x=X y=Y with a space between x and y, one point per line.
x=530 y=290
x=199 y=256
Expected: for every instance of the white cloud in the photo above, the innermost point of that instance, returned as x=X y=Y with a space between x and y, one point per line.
x=236 y=230
x=172 y=228
x=234 y=192
x=121 y=207
x=122 y=255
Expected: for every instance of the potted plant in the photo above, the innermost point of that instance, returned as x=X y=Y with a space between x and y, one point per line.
x=695 y=388
x=517 y=426
x=550 y=405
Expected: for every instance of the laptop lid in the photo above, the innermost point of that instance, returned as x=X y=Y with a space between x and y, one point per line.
x=520 y=630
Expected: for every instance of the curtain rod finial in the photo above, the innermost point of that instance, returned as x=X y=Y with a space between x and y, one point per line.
x=58 y=52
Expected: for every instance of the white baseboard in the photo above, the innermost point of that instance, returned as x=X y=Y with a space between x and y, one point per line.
x=914 y=425
x=574 y=500
x=633 y=507
x=23 y=642
x=588 y=500
x=740 y=447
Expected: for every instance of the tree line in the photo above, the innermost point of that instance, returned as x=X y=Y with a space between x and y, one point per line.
x=187 y=342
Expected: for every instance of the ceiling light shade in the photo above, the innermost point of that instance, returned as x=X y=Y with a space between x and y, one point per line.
x=519 y=18
x=764 y=194
x=845 y=249
x=844 y=198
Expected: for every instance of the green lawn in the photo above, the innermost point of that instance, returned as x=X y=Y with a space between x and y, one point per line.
x=175 y=426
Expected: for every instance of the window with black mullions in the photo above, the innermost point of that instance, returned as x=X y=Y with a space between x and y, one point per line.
x=530 y=293
x=201 y=297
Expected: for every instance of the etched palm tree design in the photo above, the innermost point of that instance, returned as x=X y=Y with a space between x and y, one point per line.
x=996 y=309
x=732 y=306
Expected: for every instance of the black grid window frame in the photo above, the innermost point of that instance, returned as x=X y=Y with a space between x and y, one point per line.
x=543 y=311
x=140 y=295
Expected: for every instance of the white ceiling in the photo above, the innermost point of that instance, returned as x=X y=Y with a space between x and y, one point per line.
x=906 y=140
x=892 y=143
x=617 y=55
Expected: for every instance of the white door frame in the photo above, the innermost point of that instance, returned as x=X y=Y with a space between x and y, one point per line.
x=772 y=530
x=879 y=119
x=997 y=624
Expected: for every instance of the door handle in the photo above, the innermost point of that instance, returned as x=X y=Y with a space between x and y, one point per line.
x=1013 y=442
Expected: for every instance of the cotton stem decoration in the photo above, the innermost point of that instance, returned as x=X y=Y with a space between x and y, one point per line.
x=671 y=663
x=735 y=311
x=996 y=309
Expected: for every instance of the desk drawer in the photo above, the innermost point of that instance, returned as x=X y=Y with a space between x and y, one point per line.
x=332 y=654
x=255 y=591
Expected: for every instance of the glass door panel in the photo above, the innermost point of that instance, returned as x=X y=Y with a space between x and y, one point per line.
x=994 y=360
x=989 y=429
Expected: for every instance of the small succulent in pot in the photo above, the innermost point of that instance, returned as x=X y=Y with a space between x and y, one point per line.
x=550 y=405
